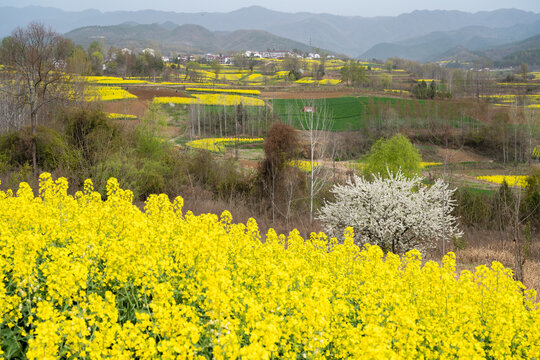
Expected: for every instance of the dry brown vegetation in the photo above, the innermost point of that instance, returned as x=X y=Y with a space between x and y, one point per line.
x=484 y=247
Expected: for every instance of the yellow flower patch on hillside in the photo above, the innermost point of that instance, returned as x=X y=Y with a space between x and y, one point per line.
x=211 y=99
x=107 y=93
x=511 y=180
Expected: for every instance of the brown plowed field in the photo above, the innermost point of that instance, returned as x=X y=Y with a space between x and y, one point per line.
x=145 y=95
x=130 y=107
x=149 y=92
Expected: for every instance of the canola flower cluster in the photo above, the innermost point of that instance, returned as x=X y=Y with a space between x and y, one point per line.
x=211 y=99
x=108 y=93
x=92 y=279
x=115 y=116
x=511 y=180
x=219 y=144
x=236 y=91
x=303 y=165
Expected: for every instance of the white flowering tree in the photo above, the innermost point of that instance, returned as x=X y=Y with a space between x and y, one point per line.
x=396 y=213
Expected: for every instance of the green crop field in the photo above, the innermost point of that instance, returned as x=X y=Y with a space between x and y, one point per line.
x=358 y=113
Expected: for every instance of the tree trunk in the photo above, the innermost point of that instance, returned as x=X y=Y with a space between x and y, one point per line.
x=33 y=122
x=34 y=155
x=519 y=265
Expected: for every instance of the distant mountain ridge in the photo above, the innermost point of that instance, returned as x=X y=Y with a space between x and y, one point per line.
x=435 y=45
x=184 y=38
x=351 y=35
x=527 y=51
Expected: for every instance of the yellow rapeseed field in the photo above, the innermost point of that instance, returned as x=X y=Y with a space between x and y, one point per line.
x=112 y=80
x=306 y=80
x=329 y=81
x=108 y=93
x=237 y=91
x=230 y=76
x=509 y=98
x=303 y=165
x=424 y=164
x=511 y=180
x=116 y=116
x=219 y=144
x=187 y=84
x=211 y=99
x=90 y=279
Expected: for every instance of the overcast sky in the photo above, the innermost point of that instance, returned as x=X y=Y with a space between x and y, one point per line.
x=339 y=7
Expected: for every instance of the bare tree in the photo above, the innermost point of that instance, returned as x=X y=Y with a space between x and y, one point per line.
x=35 y=57
x=317 y=123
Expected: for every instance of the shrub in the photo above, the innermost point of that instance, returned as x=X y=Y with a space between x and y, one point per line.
x=121 y=165
x=52 y=149
x=280 y=147
x=395 y=213
x=90 y=131
x=474 y=208
x=388 y=156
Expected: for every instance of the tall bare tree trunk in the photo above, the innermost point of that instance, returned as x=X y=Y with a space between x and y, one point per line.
x=33 y=124
x=517 y=232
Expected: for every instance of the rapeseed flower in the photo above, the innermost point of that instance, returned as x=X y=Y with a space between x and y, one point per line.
x=90 y=278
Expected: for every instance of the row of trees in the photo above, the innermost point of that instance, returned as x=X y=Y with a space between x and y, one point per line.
x=119 y=62
x=456 y=81
x=239 y=120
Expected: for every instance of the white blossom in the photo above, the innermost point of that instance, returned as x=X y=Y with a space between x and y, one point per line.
x=396 y=213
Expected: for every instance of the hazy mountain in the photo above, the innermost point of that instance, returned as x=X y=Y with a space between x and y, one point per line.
x=527 y=51
x=437 y=45
x=461 y=54
x=188 y=38
x=351 y=35
x=511 y=54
